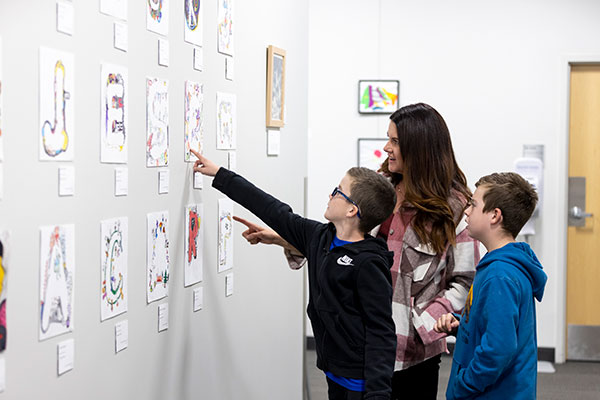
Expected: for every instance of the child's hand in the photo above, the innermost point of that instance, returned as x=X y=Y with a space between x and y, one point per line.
x=258 y=234
x=204 y=165
x=446 y=324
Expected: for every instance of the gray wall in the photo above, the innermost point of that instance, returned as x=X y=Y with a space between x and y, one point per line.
x=246 y=346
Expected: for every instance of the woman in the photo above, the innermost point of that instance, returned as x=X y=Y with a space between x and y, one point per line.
x=434 y=258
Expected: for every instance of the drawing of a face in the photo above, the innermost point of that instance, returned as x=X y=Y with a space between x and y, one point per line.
x=156 y=9
x=54 y=136
x=115 y=111
x=192 y=10
x=112 y=283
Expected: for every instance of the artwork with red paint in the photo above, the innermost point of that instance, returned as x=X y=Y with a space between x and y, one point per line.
x=370 y=153
x=194 y=235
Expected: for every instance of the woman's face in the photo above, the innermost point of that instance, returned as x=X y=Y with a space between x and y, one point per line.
x=392 y=148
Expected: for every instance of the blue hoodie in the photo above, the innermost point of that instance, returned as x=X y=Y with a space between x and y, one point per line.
x=496 y=346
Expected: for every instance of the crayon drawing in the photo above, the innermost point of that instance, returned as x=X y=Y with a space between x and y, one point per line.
x=194 y=237
x=225 y=242
x=113 y=120
x=193 y=22
x=370 y=153
x=56 y=105
x=193 y=124
x=157 y=16
x=113 y=252
x=225 y=27
x=157 y=122
x=378 y=96
x=3 y=281
x=226 y=124
x=57 y=273
x=157 y=256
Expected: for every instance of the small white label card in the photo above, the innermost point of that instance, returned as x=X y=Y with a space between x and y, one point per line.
x=197 y=180
x=116 y=8
x=163 y=52
x=64 y=17
x=121 y=335
x=229 y=72
x=198 y=58
x=273 y=142
x=121 y=40
x=2 y=375
x=121 y=181
x=163 y=181
x=163 y=317
x=66 y=356
x=66 y=181
x=231 y=160
x=198 y=299
x=229 y=284
x=1 y=181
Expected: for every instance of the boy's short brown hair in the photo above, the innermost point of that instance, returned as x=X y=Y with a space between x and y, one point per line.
x=513 y=195
x=375 y=196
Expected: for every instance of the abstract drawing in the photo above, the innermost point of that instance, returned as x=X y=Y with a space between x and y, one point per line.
x=56 y=105
x=113 y=252
x=157 y=122
x=157 y=256
x=226 y=124
x=57 y=272
x=3 y=282
x=193 y=124
x=113 y=120
x=378 y=96
x=193 y=22
x=275 y=86
x=225 y=243
x=194 y=237
x=225 y=27
x=370 y=153
x=157 y=16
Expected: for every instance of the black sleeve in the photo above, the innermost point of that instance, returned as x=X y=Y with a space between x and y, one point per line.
x=295 y=229
x=374 y=288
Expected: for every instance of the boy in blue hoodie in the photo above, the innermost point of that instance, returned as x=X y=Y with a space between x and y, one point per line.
x=496 y=346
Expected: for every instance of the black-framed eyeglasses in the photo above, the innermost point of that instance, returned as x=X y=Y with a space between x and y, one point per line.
x=336 y=190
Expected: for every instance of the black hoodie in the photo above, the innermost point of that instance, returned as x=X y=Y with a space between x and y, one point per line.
x=350 y=301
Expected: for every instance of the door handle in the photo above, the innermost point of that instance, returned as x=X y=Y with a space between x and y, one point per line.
x=578 y=213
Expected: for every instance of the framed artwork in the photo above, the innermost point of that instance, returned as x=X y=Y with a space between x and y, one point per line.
x=370 y=153
x=275 y=86
x=378 y=96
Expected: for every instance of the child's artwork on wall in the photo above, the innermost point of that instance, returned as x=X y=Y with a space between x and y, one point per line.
x=194 y=238
x=226 y=124
x=113 y=251
x=157 y=256
x=157 y=122
x=57 y=279
x=113 y=119
x=225 y=243
x=193 y=21
x=193 y=124
x=370 y=153
x=157 y=16
x=57 y=98
x=225 y=26
x=4 y=237
x=116 y=8
x=275 y=86
x=378 y=96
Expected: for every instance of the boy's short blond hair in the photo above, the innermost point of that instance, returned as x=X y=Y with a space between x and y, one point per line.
x=513 y=195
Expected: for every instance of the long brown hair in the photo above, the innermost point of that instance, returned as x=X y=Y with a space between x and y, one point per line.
x=430 y=173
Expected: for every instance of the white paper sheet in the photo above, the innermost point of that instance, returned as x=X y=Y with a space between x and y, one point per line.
x=163 y=52
x=226 y=121
x=194 y=119
x=163 y=317
x=273 y=142
x=64 y=17
x=194 y=243
x=121 y=181
x=194 y=15
x=198 y=299
x=163 y=182
x=114 y=234
x=66 y=356
x=231 y=161
x=157 y=256
x=225 y=27
x=121 y=336
x=121 y=36
x=225 y=238
x=115 y=8
x=198 y=59
x=198 y=181
x=157 y=122
x=2 y=375
x=114 y=109
x=66 y=181
x=229 y=284
x=229 y=70
x=157 y=16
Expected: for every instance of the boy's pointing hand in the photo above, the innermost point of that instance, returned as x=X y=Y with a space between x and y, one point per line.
x=204 y=165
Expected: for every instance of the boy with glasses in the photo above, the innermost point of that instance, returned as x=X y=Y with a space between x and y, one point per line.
x=350 y=301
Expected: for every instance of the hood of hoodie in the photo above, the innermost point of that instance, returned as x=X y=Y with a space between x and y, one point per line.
x=520 y=255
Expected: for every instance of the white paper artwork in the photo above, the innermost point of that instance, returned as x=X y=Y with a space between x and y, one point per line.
x=113 y=267
x=57 y=97
x=225 y=242
x=157 y=256
x=157 y=122
x=157 y=16
x=194 y=238
x=1 y=135
x=116 y=8
x=226 y=124
x=194 y=121
x=225 y=27
x=57 y=280
x=114 y=104
x=193 y=21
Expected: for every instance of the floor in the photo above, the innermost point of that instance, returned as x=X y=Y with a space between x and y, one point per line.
x=572 y=380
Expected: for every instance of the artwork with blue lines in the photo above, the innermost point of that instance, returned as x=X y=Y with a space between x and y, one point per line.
x=193 y=21
x=113 y=266
x=225 y=27
x=157 y=16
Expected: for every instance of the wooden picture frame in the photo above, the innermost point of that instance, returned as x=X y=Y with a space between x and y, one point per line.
x=378 y=96
x=275 y=87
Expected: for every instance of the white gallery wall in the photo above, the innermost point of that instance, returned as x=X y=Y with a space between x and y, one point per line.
x=496 y=71
x=246 y=346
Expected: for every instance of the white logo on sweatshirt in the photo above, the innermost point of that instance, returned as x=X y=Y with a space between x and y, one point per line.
x=345 y=261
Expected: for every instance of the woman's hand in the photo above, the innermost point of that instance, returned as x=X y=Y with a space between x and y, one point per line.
x=204 y=165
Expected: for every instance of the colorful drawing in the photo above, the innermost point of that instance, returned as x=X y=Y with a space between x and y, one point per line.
x=193 y=124
x=113 y=290
x=3 y=281
x=226 y=124
x=157 y=16
x=225 y=27
x=370 y=153
x=225 y=243
x=57 y=271
x=157 y=256
x=114 y=103
x=157 y=122
x=378 y=96
x=193 y=22
x=194 y=237
x=56 y=105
